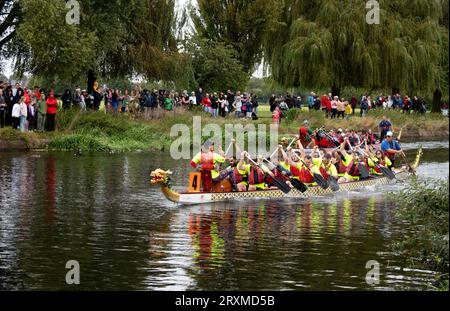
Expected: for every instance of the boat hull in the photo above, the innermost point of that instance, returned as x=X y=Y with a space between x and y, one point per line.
x=201 y=198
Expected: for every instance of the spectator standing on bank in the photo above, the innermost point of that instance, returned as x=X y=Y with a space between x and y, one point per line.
x=3 y=107
x=15 y=119
x=52 y=107
x=42 y=113
x=237 y=105
x=353 y=104
x=23 y=114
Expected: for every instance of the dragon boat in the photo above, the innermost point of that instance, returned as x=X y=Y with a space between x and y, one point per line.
x=221 y=193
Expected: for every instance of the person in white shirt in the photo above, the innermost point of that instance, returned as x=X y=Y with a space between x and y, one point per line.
x=15 y=116
x=237 y=105
x=193 y=99
x=23 y=114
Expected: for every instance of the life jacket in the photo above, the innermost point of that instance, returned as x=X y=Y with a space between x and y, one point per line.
x=304 y=137
x=238 y=176
x=306 y=176
x=323 y=171
x=279 y=175
x=388 y=154
x=353 y=169
x=377 y=169
x=295 y=171
x=341 y=168
x=255 y=177
x=207 y=161
x=371 y=138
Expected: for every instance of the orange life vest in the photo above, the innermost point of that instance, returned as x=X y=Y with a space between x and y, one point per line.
x=306 y=176
x=207 y=161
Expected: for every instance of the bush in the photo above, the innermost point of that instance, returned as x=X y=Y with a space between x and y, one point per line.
x=424 y=204
x=293 y=114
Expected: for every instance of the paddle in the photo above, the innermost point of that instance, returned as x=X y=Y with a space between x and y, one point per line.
x=317 y=178
x=271 y=156
x=228 y=149
x=333 y=183
x=280 y=184
x=295 y=182
x=400 y=134
x=410 y=169
x=386 y=171
x=331 y=139
x=363 y=171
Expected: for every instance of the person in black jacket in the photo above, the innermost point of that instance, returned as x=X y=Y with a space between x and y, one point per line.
x=66 y=100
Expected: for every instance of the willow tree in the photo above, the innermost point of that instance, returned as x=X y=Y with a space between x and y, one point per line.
x=9 y=19
x=113 y=39
x=240 y=24
x=321 y=43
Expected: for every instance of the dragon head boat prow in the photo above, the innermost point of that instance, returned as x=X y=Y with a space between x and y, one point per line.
x=162 y=177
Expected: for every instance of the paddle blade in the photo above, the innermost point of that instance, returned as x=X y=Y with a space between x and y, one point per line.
x=298 y=185
x=282 y=169
x=333 y=183
x=363 y=171
x=321 y=181
x=280 y=184
x=387 y=172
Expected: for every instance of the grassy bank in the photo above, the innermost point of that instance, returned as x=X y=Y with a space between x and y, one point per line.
x=424 y=205
x=414 y=126
x=96 y=131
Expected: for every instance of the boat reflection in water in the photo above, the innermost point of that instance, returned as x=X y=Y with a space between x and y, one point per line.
x=286 y=245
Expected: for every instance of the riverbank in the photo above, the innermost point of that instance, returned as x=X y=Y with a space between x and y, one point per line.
x=95 y=131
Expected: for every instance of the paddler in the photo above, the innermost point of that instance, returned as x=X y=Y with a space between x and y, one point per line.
x=391 y=148
x=378 y=158
x=353 y=173
x=341 y=159
x=326 y=167
x=304 y=168
x=256 y=176
x=209 y=161
x=305 y=136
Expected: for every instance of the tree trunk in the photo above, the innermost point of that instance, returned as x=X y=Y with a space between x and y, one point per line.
x=437 y=97
x=90 y=81
x=335 y=91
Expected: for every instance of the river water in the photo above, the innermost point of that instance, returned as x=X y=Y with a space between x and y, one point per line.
x=101 y=211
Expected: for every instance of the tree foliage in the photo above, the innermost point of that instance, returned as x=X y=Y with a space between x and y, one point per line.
x=215 y=65
x=328 y=42
x=240 y=24
x=114 y=39
x=9 y=17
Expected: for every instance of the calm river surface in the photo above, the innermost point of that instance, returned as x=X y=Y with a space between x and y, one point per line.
x=101 y=211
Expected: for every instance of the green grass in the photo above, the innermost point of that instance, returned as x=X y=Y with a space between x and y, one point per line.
x=413 y=125
x=97 y=131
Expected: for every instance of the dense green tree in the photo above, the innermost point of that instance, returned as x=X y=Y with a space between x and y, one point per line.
x=321 y=43
x=240 y=24
x=215 y=65
x=114 y=39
